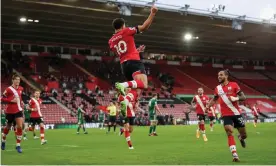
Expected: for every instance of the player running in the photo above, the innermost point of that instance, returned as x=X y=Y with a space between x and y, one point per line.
x=153 y=107
x=129 y=113
x=36 y=118
x=26 y=122
x=12 y=95
x=81 y=112
x=255 y=112
x=212 y=117
x=122 y=43
x=112 y=109
x=101 y=119
x=228 y=94
x=199 y=103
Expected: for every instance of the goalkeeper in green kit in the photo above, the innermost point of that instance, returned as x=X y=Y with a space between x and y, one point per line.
x=153 y=107
x=81 y=112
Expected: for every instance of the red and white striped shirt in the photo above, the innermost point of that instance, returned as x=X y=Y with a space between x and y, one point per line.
x=35 y=104
x=201 y=102
x=255 y=111
x=9 y=94
x=227 y=107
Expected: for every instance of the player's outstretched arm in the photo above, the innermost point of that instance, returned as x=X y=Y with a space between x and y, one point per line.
x=149 y=20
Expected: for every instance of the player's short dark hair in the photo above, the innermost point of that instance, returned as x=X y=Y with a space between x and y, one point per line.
x=118 y=23
x=154 y=95
x=15 y=76
x=226 y=72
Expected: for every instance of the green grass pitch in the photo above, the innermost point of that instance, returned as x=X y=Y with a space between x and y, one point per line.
x=174 y=145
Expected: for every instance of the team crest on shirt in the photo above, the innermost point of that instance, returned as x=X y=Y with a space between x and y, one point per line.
x=229 y=88
x=220 y=92
x=203 y=98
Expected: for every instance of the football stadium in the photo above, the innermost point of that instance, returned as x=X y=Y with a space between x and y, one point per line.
x=138 y=82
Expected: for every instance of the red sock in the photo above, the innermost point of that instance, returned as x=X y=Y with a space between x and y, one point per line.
x=5 y=133
x=211 y=125
x=42 y=133
x=127 y=136
x=203 y=127
x=18 y=136
x=136 y=84
x=232 y=144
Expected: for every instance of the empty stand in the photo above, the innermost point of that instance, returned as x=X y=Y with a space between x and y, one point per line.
x=209 y=77
x=257 y=80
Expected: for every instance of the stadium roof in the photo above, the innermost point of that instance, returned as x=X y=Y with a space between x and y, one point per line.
x=89 y=23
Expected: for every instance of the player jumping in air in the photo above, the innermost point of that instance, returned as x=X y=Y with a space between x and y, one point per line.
x=35 y=106
x=122 y=43
x=152 y=106
x=129 y=113
x=255 y=112
x=112 y=109
x=12 y=95
x=228 y=94
x=81 y=112
x=212 y=117
x=199 y=103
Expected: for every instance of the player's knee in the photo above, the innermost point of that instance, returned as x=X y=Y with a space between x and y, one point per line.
x=19 y=127
x=9 y=125
x=229 y=132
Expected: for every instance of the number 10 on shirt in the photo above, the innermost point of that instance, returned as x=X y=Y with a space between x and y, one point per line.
x=121 y=47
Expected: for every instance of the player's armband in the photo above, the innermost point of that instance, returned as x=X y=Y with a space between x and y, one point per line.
x=137 y=30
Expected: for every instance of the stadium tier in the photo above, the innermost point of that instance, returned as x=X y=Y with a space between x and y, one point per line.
x=208 y=77
x=257 y=81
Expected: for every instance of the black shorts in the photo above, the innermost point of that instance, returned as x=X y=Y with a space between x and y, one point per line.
x=132 y=66
x=211 y=118
x=35 y=121
x=11 y=117
x=200 y=117
x=236 y=120
x=129 y=120
x=112 y=119
x=256 y=117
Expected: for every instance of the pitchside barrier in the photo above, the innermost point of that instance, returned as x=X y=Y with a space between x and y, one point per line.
x=96 y=125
